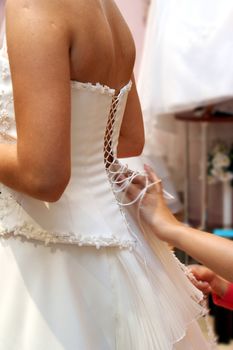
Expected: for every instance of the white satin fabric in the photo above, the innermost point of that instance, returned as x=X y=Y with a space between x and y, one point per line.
x=127 y=295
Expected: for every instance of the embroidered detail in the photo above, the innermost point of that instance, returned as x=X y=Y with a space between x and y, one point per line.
x=5 y=72
x=6 y=121
x=102 y=89
x=31 y=232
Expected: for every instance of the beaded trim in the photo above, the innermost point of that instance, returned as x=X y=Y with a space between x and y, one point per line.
x=7 y=205
x=102 y=89
x=6 y=121
x=30 y=232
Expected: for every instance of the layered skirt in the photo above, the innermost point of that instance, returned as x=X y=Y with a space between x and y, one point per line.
x=66 y=297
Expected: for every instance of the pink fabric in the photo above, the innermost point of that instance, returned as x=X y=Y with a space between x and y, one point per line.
x=2 y=9
x=227 y=300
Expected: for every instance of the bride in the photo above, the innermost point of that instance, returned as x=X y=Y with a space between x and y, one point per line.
x=76 y=271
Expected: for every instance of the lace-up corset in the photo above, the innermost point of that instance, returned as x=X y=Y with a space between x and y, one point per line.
x=88 y=212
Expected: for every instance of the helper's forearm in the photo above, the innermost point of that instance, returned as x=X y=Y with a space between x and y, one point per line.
x=212 y=251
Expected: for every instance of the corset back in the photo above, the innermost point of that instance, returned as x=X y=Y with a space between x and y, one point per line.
x=87 y=213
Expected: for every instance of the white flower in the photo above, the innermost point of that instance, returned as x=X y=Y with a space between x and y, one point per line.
x=216 y=172
x=225 y=177
x=219 y=163
x=220 y=160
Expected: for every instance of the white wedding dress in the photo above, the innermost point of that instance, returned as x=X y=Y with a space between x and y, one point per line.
x=78 y=274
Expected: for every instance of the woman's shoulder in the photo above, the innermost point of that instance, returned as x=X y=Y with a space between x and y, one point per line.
x=83 y=28
x=38 y=7
x=36 y=21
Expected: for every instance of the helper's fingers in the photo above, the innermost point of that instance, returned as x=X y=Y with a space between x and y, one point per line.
x=203 y=286
x=202 y=273
x=132 y=191
x=140 y=181
x=154 y=179
x=151 y=174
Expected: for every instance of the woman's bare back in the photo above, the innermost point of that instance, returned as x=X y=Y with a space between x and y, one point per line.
x=102 y=48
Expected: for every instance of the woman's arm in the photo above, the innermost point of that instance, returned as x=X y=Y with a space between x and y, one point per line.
x=213 y=251
x=38 y=48
x=131 y=140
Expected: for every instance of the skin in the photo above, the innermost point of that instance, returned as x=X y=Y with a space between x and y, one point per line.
x=214 y=252
x=49 y=44
x=208 y=281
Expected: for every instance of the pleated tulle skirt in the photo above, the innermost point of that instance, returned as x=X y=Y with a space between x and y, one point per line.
x=79 y=298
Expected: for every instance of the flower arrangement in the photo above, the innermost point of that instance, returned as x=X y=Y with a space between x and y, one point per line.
x=220 y=164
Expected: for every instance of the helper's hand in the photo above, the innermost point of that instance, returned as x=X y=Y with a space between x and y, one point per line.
x=153 y=209
x=208 y=281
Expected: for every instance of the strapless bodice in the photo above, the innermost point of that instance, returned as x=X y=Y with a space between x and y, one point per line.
x=88 y=212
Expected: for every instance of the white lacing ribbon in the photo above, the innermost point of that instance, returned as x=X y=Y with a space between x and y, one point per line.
x=121 y=178
x=120 y=184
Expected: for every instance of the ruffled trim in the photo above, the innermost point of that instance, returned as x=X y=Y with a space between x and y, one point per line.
x=164 y=307
x=30 y=232
x=102 y=89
